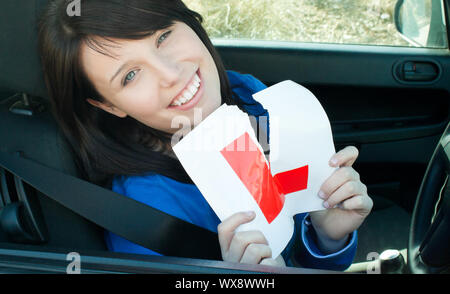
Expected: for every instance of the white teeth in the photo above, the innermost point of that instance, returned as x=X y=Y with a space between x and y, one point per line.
x=186 y=96
x=193 y=89
x=196 y=84
x=197 y=78
x=189 y=92
x=183 y=99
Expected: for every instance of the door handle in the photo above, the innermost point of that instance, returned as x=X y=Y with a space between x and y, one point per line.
x=417 y=71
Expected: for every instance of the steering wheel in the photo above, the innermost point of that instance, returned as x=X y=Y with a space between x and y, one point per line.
x=429 y=235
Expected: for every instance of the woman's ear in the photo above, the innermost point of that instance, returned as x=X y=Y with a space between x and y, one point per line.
x=108 y=107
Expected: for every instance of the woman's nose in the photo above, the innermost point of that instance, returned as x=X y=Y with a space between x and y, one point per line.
x=169 y=72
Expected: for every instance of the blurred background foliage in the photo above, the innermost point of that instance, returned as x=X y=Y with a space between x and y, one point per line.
x=324 y=21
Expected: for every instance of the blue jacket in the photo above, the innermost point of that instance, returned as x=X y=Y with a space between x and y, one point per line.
x=186 y=202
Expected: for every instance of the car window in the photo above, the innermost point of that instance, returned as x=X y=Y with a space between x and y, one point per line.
x=368 y=22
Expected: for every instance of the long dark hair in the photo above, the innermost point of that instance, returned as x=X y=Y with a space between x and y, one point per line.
x=104 y=144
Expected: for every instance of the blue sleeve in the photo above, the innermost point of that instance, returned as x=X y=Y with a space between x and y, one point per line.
x=308 y=255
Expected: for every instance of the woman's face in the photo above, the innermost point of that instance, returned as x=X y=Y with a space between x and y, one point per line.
x=156 y=79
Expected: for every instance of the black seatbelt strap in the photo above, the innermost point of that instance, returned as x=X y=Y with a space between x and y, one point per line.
x=126 y=217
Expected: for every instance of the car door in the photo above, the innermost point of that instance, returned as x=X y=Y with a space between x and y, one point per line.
x=380 y=70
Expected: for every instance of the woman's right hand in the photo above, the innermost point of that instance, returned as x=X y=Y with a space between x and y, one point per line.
x=245 y=246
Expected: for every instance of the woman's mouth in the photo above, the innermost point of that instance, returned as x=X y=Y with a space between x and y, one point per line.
x=191 y=94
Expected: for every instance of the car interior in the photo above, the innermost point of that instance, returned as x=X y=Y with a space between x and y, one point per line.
x=395 y=123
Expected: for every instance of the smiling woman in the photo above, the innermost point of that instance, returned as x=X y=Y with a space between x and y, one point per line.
x=159 y=72
x=101 y=60
x=121 y=72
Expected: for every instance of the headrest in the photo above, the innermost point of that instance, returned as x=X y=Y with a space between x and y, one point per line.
x=20 y=66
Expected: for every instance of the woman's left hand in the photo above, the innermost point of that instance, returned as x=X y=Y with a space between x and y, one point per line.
x=345 y=198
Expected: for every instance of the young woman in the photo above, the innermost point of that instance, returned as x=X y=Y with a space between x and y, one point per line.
x=119 y=74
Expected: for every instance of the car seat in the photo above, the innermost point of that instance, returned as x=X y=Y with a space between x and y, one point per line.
x=27 y=126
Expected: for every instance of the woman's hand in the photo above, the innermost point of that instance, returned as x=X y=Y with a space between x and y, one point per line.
x=245 y=246
x=346 y=200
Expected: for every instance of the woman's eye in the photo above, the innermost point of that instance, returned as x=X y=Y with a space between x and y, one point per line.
x=129 y=77
x=163 y=37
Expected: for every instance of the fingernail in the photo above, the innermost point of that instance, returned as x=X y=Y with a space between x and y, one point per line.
x=333 y=162
x=326 y=204
x=321 y=194
x=250 y=213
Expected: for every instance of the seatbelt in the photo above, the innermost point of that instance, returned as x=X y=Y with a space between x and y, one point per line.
x=126 y=217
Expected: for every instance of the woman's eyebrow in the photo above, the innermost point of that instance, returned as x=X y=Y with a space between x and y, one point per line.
x=118 y=71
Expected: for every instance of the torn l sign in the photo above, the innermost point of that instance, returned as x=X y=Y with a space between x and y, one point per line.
x=267 y=190
x=225 y=161
x=300 y=134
